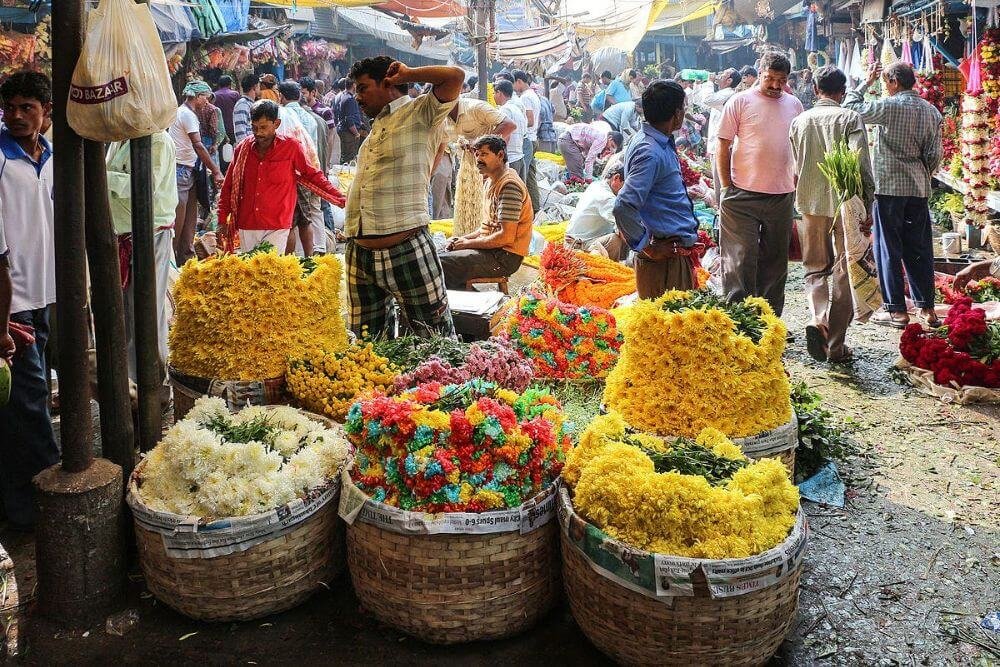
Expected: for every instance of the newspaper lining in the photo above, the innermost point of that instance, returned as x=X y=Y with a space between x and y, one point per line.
x=771 y=442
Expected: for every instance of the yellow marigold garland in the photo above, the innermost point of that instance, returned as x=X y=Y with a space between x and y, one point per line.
x=329 y=383
x=680 y=372
x=241 y=317
x=617 y=488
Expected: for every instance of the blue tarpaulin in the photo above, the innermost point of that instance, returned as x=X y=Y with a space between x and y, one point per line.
x=234 y=13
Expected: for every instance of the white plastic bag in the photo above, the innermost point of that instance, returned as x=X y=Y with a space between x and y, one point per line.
x=121 y=86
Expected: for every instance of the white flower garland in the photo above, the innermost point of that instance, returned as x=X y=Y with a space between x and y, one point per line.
x=975 y=159
x=198 y=470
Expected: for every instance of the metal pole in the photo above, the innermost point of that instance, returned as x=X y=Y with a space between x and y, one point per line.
x=149 y=374
x=71 y=275
x=117 y=434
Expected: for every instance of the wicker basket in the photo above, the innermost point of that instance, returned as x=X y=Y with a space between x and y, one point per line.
x=453 y=588
x=242 y=568
x=237 y=393
x=9 y=607
x=695 y=629
x=779 y=443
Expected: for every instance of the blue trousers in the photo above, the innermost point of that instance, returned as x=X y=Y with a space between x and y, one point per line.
x=903 y=240
x=27 y=443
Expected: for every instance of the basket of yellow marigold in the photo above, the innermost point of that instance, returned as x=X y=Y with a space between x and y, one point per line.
x=237 y=319
x=328 y=383
x=681 y=552
x=715 y=364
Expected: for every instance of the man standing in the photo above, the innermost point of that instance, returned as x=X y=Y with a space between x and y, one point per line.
x=758 y=181
x=653 y=212
x=241 y=110
x=805 y=91
x=225 y=99
x=907 y=151
x=119 y=166
x=498 y=247
x=27 y=287
x=503 y=93
x=583 y=143
x=593 y=221
x=716 y=101
x=813 y=134
x=533 y=113
x=390 y=253
x=349 y=122
x=585 y=95
x=546 y=130
x=188 y=147
x=748 y=78
x=308 y=212
x=617 y=91
x=259 y=193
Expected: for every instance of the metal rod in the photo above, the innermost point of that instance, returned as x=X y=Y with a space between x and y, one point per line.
x=117 y=432
x=149 y=373
x=70 y=244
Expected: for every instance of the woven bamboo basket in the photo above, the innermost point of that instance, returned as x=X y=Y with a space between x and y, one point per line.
x=237 y=393
x=745 y=630
x=454 y=588
x=279 y=571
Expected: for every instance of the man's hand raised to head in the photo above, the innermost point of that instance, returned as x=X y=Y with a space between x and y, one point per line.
x=396 y=74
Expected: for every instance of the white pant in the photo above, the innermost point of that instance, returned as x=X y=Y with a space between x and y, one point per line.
x=250 y=238
x=163 y=259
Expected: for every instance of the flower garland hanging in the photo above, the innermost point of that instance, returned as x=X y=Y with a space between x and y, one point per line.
x=965 y=352
x=583 y=278
x=989 y=54
x=561 y=340
x=930 y=86
x=696 y=499
x=691 y=360
x=472 y=447
x=239 y=317
x=975 y=159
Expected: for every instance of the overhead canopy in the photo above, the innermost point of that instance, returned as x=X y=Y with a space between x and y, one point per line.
x=620 y=24
x=533 y=44
x=412 y=8
x=386 y=28
x=679 y=13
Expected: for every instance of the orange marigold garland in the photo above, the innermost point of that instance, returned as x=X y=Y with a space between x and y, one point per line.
x=585 y=279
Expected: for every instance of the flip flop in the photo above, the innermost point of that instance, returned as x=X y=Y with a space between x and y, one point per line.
x=816 y=342
x=885 y=319
x=845 y=357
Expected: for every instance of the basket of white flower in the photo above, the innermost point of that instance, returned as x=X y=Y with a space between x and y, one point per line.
x=236 y=514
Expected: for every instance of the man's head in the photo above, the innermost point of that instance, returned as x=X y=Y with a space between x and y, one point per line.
x=320 y=87
x=289 y=91
x=663 y=105
x=339 y=85
x=586 y=78
x=775 y=69
x=807 y=75
x=197 y=94
x=225 y=81
x=632 y=75
x=374 y=93
x=308 y=86
x=615 y=143
x=729 y=78
x=503 y=76
x=682 y=82
x=264 y=120
x=250 y=84
x=522 y=80
x=898 y=77
x=491 y=154
x=638 y=106
x=748 y=75
x=503 y=91
x=614 y=174
x=830 y=83
x=27 y=103
x=607 y=77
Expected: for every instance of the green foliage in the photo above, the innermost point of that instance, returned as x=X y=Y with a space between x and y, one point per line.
x=820 y=438
x=748 y=319
x=689 y=458
x=408 y=352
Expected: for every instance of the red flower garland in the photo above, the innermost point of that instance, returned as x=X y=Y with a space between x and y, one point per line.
x=949 y=353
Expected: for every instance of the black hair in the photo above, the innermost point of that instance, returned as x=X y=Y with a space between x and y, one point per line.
x=734 y=76
x=661 y=100
x=606 y=74
x=249 y=81
x=617 y=167
x=290 y=90
x=29 y=85
x=225 y=81
x=505 y=87
x=264 y=109
x=902 y=74
x=633 y=72
x=376 y=68
x=830 y=80
x=617 y=137
x=494 y=142
x=504 y=76
x=775 y=62
x=339 y=85
x=308 y=83
x=747 y=70
x=473 y=80
x=521 y=75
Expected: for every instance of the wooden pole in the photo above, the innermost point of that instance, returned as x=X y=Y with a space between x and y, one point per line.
x=117 y=432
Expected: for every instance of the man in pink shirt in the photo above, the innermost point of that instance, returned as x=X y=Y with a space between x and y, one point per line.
x=757 y=174
x=583 y=144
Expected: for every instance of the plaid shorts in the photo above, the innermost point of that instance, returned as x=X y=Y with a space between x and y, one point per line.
x=410 y=273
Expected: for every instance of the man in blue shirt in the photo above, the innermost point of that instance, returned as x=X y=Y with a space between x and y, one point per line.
x=653 y=212
x=617 y=91
x=349 y=122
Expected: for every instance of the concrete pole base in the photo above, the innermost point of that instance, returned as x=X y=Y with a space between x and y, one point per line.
x=79 y=541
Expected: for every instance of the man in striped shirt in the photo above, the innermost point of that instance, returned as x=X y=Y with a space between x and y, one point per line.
x=241 y=110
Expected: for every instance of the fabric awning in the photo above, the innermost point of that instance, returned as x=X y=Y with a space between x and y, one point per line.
x=679 y=13
x=384 y=27
x=536 y=43
x=425 y=9
x=620 y=24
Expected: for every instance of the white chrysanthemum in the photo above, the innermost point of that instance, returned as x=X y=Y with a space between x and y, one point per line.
x=286 y=443
x=207 y=408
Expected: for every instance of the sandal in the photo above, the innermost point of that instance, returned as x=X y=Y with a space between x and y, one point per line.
x=845 y=357
x=816 y=342
x=887 y=319
x=931 y=322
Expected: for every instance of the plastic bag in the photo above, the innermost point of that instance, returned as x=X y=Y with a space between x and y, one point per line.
x=121 y=88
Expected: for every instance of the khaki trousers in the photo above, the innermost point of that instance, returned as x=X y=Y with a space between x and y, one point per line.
x=828 y=286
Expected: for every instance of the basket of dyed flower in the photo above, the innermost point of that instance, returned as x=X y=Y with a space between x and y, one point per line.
x=239 y=317
x=235 y=514
x=450 y=509
x=716 y=364
x=679 y=554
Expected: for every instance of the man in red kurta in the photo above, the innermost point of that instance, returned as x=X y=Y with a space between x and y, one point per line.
x=258 y=195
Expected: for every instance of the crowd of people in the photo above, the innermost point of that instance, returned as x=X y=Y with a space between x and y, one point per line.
x=254 y=165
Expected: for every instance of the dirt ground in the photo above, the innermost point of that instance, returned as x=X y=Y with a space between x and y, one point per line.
x=901 y=576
